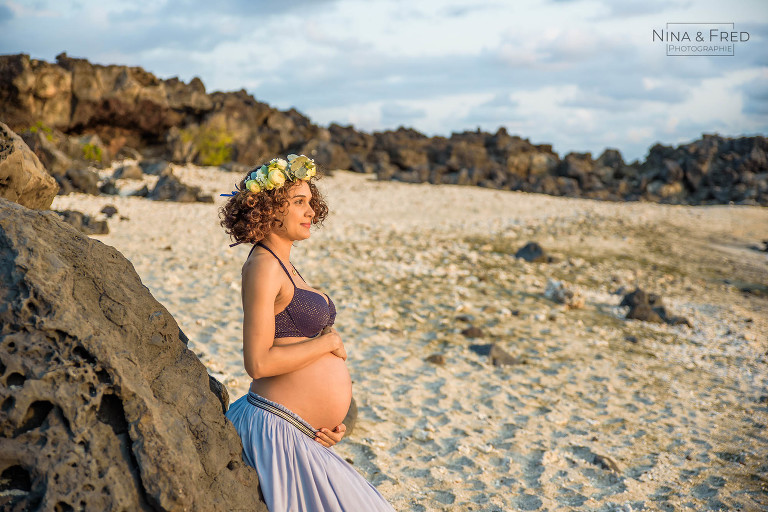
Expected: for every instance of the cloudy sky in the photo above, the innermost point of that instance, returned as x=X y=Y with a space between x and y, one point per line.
x=582 y=75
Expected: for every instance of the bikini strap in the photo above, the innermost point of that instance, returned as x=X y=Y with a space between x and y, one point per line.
x=302 y=278
x=278 y=260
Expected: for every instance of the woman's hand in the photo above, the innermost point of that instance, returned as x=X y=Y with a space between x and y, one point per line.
x=329 y=438
x=339 y=350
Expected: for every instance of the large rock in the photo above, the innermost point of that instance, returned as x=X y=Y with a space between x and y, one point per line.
x=81 y=179
x=45 y=143
x=156 y=167
x=23 y=179
x=712 y=169
x=128 y=172
x=129 y=107
x=332 y=155
x=84 y=223
x=170 y=188
x=468 y=158
x=649 y=307
x=59 y=152
x=534 y=253
x=65 y=158
x=103 y=405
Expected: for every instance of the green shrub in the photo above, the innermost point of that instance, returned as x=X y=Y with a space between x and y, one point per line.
x=213 y=145
x=92 y=152
x=40 y=127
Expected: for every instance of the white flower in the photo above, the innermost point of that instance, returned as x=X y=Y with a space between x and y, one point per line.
x=277 y=163
x=261 y=176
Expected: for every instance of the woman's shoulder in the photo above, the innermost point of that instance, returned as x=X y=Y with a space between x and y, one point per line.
x=261 y=264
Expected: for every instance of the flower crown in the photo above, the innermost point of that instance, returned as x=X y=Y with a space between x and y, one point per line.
x=277 y=172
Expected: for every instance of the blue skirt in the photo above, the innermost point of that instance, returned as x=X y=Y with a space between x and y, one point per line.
x=296 y=473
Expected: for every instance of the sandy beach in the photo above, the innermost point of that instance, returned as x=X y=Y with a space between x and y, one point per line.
x=599 y=413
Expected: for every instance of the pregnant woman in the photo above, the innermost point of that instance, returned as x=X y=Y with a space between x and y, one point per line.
x=301 y=388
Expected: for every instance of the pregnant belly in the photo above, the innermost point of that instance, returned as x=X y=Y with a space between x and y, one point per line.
x=320 y=392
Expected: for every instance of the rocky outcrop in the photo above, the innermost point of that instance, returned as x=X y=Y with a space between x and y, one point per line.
x=128 y=172
x=131 y=110
x=712 y=170
x=125 y=105
x=470 y=158
x=156 y=167
x=69 y=159
x=103 y=406
x=170 y=188
x=23 y=178
x=45 y=144
x=84 y=223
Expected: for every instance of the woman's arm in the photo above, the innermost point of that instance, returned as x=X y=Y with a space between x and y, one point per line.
x=261 y=284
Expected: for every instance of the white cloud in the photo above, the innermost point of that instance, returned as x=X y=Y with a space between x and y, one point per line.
x=755 y=94
x=581 y=75
x=400 y=113
x=500 y=110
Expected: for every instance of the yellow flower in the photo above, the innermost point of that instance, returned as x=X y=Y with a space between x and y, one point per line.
x=276 y=177
x=278 y=163
x=253 y=186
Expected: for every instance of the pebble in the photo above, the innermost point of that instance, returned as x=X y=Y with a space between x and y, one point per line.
x=438 y=359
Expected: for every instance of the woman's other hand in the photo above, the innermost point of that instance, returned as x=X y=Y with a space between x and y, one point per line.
x=339 y=350
x=329 y=438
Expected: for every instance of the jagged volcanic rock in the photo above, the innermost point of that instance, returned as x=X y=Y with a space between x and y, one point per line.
x=102 y=405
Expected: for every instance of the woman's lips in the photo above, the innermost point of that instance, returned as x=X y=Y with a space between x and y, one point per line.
x=306 y=224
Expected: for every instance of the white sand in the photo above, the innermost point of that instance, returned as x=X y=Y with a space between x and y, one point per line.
x=677 y=415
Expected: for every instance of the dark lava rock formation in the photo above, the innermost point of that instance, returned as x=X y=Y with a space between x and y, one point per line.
x=131 y=109
x=96 y=112
x=102 y=405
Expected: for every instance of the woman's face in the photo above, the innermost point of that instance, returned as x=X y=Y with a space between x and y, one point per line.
x=297 y=217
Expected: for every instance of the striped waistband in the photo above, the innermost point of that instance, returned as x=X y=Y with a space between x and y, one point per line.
x=261 y=403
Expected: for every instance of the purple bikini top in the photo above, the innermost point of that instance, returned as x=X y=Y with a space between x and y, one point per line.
x=307 y=313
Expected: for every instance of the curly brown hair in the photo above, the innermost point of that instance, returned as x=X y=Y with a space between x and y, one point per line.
x=249 y=217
